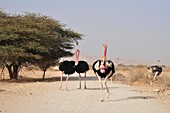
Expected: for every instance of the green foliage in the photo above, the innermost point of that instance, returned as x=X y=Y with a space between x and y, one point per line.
x=34 y=38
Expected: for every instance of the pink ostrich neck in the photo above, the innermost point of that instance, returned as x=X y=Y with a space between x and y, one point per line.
x=105 y=51
x=102 y=66
x=77 y=55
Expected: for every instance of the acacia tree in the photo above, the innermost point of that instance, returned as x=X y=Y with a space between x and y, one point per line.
x=58 y=49
x=33 y=38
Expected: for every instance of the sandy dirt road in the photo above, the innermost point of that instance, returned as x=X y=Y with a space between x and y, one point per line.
x=44 y=97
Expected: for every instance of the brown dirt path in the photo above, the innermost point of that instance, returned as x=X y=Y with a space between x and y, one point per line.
x=44 y=97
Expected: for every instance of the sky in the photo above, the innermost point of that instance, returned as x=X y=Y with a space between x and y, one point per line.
x=132 y=29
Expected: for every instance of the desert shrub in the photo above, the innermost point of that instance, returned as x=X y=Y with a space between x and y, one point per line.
x=166 y=69
x=163 y=81
x=118 y=77
x=141 y=66
x=130 y=74
x=137 y=75
x=125 y=68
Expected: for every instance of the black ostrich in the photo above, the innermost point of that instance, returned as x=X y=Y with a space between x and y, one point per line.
x=70 y=67
x=154 y=71
x=103 y=69
x=67 y=68
x=81 y=67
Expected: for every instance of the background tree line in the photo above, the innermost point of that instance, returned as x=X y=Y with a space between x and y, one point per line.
x=33 y=39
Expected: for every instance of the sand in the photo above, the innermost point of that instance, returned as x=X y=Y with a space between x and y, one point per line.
x=38 y=96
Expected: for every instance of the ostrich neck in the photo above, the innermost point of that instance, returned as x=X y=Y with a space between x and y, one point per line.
x=105 y=51
x=77 y=56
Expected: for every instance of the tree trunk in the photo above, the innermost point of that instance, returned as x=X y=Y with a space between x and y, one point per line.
x=44 y=73
x=13 y=69
x=44 y=70
x=9 y=67
x=2 y=72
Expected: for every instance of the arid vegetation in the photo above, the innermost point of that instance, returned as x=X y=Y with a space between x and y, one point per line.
x=138 y=75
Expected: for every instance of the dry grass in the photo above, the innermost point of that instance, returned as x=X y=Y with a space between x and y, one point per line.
x=167 y=69
x=163 y=81
x=139 y=75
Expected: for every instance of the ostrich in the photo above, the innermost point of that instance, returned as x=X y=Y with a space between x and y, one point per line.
x=70 y=67
x=67 y=68
x=81 y=67
x=103 y=69
x=154 y=71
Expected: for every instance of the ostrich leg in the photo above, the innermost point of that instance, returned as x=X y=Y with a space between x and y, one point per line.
x=61 y=79
x=105 y=82
x=85 y=81
x=151 y=82
x=155 y=76
x=101 y=87
x=79 y=81
x=67 y=81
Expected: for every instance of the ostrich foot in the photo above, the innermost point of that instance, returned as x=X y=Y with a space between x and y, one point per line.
x=101 y=100
x=108 y=95
x=85 y=87
x=60 y=88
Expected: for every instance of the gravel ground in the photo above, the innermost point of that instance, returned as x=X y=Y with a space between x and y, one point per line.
x=44 y=97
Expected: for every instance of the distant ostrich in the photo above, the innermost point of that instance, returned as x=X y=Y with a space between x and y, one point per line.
x=103 y=69
x=154 y=71
x=67 y=68
x=81 y=67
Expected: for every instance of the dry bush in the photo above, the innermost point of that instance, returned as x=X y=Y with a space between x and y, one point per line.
x=131 y=74
x=119 y=77
x=138 y=74
x=166 y=69
x=163 y=81
x=125 y=68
